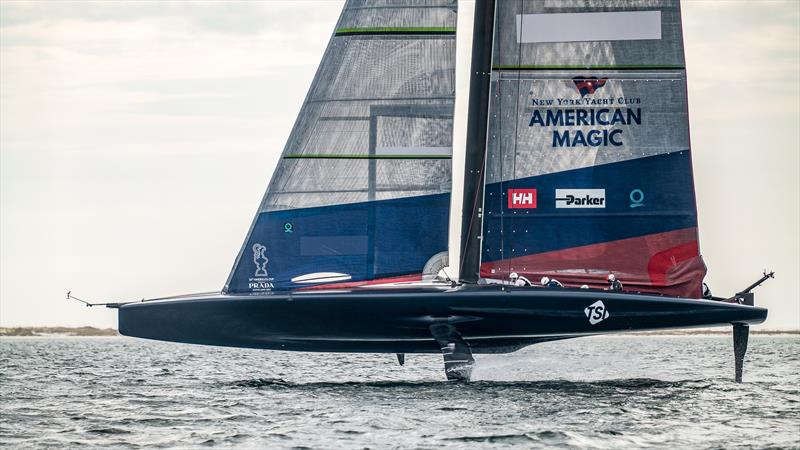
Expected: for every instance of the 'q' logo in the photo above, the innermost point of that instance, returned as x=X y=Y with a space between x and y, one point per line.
x=588 y=85
x=637 y=197
x=261 y=260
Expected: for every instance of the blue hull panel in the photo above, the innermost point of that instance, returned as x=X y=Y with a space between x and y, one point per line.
x=490 y=319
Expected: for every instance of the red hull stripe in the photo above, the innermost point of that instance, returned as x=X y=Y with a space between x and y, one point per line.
x=675 y=267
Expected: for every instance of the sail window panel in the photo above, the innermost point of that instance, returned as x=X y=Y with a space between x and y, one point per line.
x=399 y=14
x=320 y=123
x=399 y=68
x=342 y=127
x=360 y=109
x=578 y=52
x=315 y=174
x=337 y=136
x=408 y=136
x=412 y=177
x=304 y=183
x=286 y=201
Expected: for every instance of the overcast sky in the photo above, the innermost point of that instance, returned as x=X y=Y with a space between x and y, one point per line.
x=136 y=140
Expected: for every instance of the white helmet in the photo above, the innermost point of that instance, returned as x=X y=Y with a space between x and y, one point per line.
x=513 y=276
x=585 y=286
x=612 y=278
x=545 y=280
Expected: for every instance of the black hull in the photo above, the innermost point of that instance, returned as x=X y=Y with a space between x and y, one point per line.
x=490 y=319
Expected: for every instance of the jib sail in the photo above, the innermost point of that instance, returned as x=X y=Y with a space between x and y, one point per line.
x=361 y=193
x=588 y=168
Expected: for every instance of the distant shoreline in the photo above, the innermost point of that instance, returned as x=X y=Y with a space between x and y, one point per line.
x=92 y=331
x=56 y=332
x=720 y=331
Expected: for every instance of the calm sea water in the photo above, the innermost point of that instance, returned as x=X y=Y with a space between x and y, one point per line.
x=608 y=392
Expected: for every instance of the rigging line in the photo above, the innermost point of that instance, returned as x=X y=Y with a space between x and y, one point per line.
x=475 y=205
x=516 y=121
x=500 y=123
x=72 y=297
x=89 y=304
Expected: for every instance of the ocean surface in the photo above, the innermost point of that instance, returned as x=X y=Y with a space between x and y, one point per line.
x=605 y=392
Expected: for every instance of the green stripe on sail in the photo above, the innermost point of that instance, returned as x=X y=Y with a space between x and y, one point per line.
x=395 y=31
x=339 y=156
x=616 y=67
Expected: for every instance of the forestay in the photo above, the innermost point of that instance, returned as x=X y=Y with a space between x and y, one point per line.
x=588 y=168
x=361 y=193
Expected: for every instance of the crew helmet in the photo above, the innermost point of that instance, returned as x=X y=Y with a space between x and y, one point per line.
x=612 y=278
x=545 y=280
x=513 y=276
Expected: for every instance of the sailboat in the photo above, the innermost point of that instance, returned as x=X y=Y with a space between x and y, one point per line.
x=409 y=207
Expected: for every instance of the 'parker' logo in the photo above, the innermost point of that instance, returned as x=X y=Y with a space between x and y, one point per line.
x=522 y=198
x=260 y=259
x=596 y=312
x=588 y=85
x=580 y=198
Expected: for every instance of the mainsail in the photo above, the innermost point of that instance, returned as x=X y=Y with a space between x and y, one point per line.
x=588 y=166
x=361 y=192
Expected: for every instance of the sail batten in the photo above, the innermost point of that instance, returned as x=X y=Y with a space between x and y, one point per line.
x=391 y=31
x=588 y=67
x=377 y=156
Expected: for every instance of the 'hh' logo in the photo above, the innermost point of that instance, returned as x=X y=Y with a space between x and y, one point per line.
x=588 y=85
x=596 y=312
x=522 y=198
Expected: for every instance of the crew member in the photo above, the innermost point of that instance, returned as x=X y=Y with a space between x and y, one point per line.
x=707 y=292
x=551 y=283
x=613 y=283
x=517 y=280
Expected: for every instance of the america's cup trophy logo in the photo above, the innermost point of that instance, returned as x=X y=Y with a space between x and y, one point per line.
x=261 y=260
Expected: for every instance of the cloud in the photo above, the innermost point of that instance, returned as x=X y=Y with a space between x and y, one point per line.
x=230 y=17
x=81 y=73
x=743 y=52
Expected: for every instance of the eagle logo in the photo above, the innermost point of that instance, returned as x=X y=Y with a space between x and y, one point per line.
x=588 y=85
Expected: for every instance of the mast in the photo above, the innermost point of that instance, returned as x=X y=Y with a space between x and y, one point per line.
x=466 y=16
x=478 y=116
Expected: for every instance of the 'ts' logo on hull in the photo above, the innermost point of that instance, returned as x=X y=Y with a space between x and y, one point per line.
x=596 y=312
